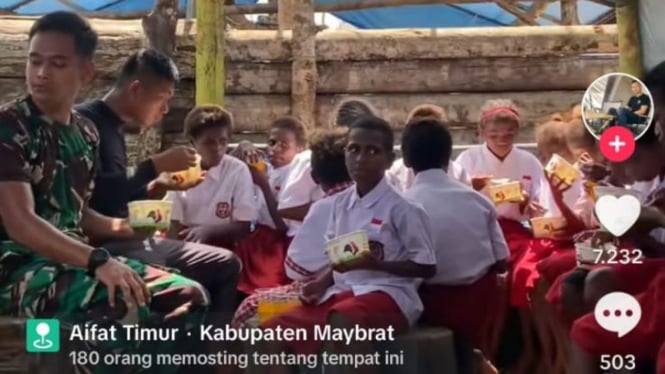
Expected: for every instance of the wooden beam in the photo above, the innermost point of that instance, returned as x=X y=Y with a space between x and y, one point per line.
x=515 y=11
x=304 y=74
x=628 y=33
x=534 y=11
x=210 y=60
x=607 y=3
x=159 y=27
x=285 y=14
x=350 y=5
x=569 y=15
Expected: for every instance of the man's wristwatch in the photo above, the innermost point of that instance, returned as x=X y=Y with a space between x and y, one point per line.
x=98 y=257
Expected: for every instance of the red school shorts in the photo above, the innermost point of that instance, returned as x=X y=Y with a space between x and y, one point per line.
x=372 y=310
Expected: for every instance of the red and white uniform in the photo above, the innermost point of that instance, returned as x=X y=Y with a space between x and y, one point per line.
x=467 y=242
x=226 y=195
x=299 y=188
x=398 y=231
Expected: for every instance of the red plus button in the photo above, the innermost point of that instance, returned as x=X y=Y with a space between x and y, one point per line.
x=617 y=143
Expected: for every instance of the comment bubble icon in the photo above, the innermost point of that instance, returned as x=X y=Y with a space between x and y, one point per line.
x=618 y=312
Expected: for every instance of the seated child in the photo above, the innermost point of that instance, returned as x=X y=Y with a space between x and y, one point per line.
x=304 y=258
x=469 y=245
x=401 y=176
x=218 y=211
x=263 y=252
x=499 y=124
x=379 y=290
x=645 y=281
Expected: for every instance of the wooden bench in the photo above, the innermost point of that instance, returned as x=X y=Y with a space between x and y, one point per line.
x=13 y=357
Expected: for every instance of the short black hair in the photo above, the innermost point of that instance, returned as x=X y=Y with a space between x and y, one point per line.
x=72 y=24
x=426 y=144
x=203 y=117
x=379 y=125
x=148 y=63
x=294 y=125
x=649 y=137
x=328 y=158
x=655 y=81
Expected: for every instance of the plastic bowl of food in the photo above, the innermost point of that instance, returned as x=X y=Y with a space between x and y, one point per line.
x=503 y=190
x=348 y=247
x=150 y=214
x=562 y=169
x=600 y=191
x=188 y=176
x=544 y=227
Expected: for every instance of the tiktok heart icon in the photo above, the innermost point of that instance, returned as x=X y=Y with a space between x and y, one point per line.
x=617 y=215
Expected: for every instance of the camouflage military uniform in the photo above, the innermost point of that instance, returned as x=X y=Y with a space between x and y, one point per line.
x=57 y=161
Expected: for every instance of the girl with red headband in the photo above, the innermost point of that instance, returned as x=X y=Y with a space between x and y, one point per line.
x=497 y=158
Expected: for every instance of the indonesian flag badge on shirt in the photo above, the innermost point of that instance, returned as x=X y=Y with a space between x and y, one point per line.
x=376 y=224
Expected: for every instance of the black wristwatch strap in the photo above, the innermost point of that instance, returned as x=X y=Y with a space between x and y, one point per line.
x=98 y=257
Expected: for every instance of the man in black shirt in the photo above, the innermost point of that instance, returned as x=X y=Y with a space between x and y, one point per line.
x=637 y=109
x=139 y=99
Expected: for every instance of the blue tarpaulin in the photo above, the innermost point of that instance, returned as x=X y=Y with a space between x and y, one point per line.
x=424 y=16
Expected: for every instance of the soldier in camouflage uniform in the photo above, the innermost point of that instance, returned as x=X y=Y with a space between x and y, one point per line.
x=47 y=155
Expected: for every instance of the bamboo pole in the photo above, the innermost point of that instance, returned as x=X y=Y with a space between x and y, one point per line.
x=210 y=74
x=285 y=9
x=303 y=70
x=628 y=35
x=569 y=15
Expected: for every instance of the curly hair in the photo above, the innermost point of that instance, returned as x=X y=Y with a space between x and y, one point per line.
x=207 y=116
x=427 y=110
x=350 y=110
x=328 y=155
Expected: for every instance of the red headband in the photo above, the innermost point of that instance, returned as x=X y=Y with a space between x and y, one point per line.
x=490 y=113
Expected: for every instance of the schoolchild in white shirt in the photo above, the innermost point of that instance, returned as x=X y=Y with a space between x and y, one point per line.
x=380 y=289
x=498 y=157
x=469 y=245
x=305 y=257
x=219 y=210
x=401 y=176
x=263 y=252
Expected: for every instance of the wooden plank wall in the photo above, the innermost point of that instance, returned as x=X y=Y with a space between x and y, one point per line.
x=543 y=69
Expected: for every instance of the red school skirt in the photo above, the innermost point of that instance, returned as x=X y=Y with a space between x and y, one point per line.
x=646 y=338
x=526 y=273
x=262 y=255
x=456 y=307
x=372 y=310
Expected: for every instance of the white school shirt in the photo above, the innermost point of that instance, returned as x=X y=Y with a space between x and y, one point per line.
x=398 y=230
x=465 y=229
x=299 y=188
x=306 y=254
x=226 y=195
x=402 y=177
x=570 y=197
x=276 y=178
x=519 y=165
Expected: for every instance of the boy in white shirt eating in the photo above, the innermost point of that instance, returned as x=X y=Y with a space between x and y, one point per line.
x=380 y=289
x=218 y=211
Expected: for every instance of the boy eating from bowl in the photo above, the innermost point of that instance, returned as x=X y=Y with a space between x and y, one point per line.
x=378 y=290
x=263 y=252
x=218 y=211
